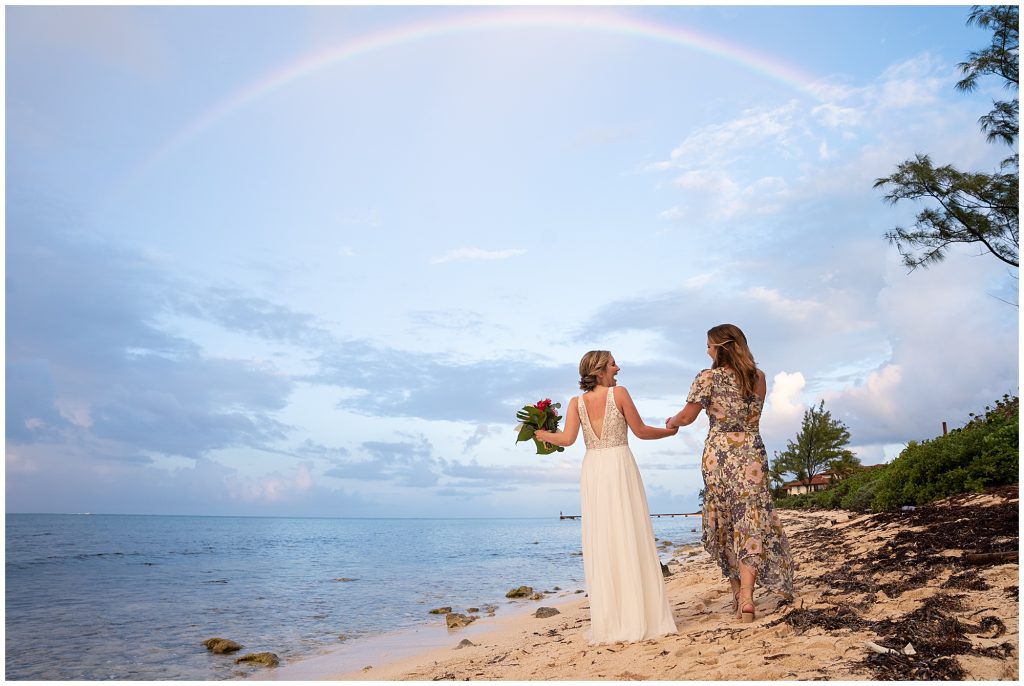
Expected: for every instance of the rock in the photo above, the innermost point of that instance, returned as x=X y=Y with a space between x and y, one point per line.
x=521 y=592
x=558 y=588
x=441 y=610
x=457 y=621
x=578 y=590
x=345 y=578
x=471 y=610
x=664 y=570
x=266 y=659
x=219 y=646
x=665 y=544
x=537 y=596
x=543 y=612
x=465 y=643
x=342 y=637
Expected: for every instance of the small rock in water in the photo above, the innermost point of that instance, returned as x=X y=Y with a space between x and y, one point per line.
x=558 y=588
x=578 y=590
x=345 y=578
x=219 y=646
x=342 y=637
x=457 y=621
x=537 y=596
x=521 y=592
x=267 y=659
x=441 y=610
x=472 y=609
x=665 y=544
x=465 y=643
x=543 y=612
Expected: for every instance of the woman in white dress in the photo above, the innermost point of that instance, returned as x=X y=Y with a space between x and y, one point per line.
x=625 y=585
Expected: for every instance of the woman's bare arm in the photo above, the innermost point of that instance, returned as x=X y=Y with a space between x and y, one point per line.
x=685 y=416
x=633 y=420
x=571 y=429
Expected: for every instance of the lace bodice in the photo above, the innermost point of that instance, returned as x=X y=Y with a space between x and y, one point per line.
x=613 y=428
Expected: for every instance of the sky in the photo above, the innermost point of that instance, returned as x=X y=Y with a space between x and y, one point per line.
x=309 y=261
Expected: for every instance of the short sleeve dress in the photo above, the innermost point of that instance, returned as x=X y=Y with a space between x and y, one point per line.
x=740 y=524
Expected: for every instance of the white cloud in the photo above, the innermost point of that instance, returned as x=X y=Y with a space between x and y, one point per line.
x=785 y=308
x=719 y=143
x=466 y=254
x=274 y=487
x=715 y=195
x=716 y=183
x=835 y=116
x=954 y=350
x=783 y=407
x=913 y=83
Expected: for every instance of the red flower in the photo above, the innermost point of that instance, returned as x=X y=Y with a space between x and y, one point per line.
x=543 y=404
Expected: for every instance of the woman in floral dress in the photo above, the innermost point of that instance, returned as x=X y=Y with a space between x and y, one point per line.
x=741 y=530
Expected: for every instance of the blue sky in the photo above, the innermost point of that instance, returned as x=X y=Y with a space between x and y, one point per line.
x=246 y=278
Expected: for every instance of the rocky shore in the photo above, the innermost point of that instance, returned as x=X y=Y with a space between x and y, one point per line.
x=928 y=593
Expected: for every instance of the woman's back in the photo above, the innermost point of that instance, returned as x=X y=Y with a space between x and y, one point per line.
x=604 y=427
x=728 y=410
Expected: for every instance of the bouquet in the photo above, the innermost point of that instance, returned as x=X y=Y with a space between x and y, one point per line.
x=543 y=415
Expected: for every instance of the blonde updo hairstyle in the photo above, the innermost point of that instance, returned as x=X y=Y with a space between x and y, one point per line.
x=592 y=363
x=734 y=353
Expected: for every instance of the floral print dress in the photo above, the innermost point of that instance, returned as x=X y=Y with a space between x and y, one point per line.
x=740 y=524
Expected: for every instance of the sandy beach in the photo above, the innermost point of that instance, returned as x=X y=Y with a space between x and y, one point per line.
x=938 y=585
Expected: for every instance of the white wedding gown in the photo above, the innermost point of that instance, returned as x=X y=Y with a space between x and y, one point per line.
x=623 y=574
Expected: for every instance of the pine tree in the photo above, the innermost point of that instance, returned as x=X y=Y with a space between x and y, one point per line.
x=819 y=445
x=973 y=207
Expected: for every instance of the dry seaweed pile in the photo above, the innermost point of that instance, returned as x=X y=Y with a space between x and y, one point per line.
x=912 y=559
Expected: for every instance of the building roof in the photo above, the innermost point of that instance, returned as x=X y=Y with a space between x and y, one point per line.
x=818 y=480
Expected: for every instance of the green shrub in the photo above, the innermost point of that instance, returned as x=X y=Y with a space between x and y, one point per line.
x=985 y=452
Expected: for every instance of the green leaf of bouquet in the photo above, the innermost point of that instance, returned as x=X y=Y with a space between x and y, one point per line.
x=526 y=433
x=542 y=450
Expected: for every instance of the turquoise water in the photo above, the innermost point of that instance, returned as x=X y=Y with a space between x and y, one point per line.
x=133 y=597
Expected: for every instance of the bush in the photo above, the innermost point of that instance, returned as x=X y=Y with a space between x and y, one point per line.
x=985 y=452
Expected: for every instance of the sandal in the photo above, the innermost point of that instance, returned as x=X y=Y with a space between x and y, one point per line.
x=743 y=601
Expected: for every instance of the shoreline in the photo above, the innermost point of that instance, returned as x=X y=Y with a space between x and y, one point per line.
x=891 y=579
x=410 y=643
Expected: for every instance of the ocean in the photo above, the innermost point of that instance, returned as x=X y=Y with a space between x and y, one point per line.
x=133 y=597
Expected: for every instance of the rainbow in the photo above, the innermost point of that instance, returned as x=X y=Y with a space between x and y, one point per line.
x=528 y=18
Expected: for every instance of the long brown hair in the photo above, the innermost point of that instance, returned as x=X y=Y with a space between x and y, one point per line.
x=593 y=362
x=734 y=353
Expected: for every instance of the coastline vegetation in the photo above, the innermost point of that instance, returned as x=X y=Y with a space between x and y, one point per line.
x=983 y=453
